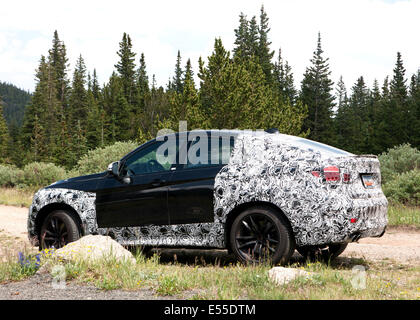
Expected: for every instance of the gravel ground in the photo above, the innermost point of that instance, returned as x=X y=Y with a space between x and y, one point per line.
x=39 y=287
x=401 y=245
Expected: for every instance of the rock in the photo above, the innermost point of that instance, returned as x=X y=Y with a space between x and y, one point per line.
x=282 y=276
x=94 y=247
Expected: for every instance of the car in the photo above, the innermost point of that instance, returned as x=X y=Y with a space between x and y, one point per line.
x=261 y=195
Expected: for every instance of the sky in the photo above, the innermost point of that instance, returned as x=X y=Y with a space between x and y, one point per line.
x=360 y=37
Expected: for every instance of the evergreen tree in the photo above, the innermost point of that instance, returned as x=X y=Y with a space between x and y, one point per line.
x=142 y=82
x=359 y=138
x=78 y=95
x=177 y=79
x=264 y=53
x=375 y=105
x=126 y=68
x=394 y=114
x=59 y=65
x=415 y=109
x=316 y=94
x=234 y=94
x=185 y=106
x=96 y=90
x=117 y=126
x=342 y=118
x=283 y=80
x=241 y=48
x=4 y=136
x=47 y=109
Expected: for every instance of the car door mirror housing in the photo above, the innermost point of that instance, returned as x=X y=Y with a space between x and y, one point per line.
x=114 y=168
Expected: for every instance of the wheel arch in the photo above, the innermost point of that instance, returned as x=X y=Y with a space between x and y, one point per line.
x=43 y=213
x=244 y=206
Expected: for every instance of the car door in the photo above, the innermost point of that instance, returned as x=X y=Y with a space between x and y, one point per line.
x=139 y=200
x=190 y=193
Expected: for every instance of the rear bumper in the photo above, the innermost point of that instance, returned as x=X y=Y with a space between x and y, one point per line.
x=370 y=219
x=344 y=220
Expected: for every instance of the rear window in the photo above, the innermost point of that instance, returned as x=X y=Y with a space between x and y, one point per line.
x=324 y=149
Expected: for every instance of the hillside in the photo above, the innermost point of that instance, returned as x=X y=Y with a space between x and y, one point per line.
x=14 y=101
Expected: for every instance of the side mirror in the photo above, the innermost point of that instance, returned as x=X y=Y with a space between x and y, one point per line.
x=114 y=168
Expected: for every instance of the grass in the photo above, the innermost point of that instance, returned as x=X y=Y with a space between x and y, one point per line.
x=384 y=280
x=16 y=197
x=399 y=215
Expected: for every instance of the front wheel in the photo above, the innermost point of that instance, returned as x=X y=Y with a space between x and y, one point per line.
x=261 y=235
x=323 y=252
x=59 y=228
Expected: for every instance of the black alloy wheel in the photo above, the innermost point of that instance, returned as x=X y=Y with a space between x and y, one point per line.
x=58 y=229
x=260 y=235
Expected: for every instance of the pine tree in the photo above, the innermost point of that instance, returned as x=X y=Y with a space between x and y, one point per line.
x=415 y=109
x=78 y=95
x=177 y=79
x=395 y=114
x=142 y=82
x=234 y=94
x=4 y=136
x=117 y=126
x=126 y=68
x=359 y=138
x=59 y=64
x=253 y=39
x=185 y=106
x=95 y=85
x=241 y=49
x=37 y=141
x=264 y=53
x=342 y=118
x=316 y=94
x=47 y=109
x=375 y=105
x=283 y=80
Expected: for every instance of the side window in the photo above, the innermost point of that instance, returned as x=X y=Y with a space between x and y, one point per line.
x=217 y=153
x=144 y=161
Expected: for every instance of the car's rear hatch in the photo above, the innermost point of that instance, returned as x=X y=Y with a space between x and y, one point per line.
x=360 y=173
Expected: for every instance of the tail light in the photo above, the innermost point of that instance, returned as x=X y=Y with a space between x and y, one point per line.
x=332 y=174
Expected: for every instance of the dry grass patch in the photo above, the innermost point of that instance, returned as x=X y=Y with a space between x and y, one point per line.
x=16 y=197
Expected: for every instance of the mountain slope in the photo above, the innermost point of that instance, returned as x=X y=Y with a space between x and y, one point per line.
x=14 y=101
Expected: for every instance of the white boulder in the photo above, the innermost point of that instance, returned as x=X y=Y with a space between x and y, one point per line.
x=94 y=247
x=282 y=276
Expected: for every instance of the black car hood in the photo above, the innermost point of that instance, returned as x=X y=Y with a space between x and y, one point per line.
x=83 y=183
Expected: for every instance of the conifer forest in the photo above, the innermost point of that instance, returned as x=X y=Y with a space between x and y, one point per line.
x=251 y=87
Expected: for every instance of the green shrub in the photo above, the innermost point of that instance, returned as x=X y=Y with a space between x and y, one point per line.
x=42 y=174
x=10 y=175
x=404 y=188
x=98 y=160
x=398 y=160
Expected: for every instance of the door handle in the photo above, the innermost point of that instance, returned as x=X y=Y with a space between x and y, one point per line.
x=158 y=182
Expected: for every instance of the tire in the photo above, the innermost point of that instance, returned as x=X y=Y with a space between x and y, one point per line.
x=58 y=229
x=326 y=252
x=261 y=235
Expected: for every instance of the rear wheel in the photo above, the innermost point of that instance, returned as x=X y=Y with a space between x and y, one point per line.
x=323 y=252
x=259 y=234
x=58 y=229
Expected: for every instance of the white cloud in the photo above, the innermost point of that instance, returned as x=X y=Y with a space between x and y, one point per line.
x=361 y=37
